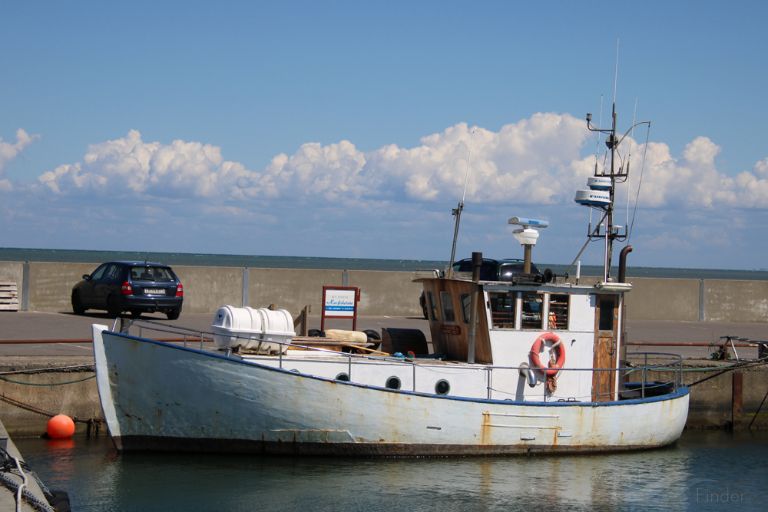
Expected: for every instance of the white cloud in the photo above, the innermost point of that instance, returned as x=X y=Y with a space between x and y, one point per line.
x=539 y=160
x=528 y=161
x=695 y=182
x=9 y=151
x=130 y=165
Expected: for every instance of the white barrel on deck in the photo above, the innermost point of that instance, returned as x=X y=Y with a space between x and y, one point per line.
x=263 y=330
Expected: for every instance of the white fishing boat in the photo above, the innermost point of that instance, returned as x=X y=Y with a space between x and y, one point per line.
x=531 y=363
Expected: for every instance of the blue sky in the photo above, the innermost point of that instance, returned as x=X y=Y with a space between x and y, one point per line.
x=343 y=128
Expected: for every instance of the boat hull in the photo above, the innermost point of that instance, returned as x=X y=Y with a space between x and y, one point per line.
x=157 y=396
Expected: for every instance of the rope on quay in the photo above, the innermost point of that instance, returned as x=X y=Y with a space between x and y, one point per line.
x=6 y=379
x=38 y=371
x=76 y=368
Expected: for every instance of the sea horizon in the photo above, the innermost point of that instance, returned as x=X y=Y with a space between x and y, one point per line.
x=22 y=254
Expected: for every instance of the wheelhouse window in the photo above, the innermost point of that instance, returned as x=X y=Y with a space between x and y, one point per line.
x=432 y=306
x=446 y=301
x=606 y=313
x=558 y=312
x=503 y=309
x=466 y=304
x=532 y=308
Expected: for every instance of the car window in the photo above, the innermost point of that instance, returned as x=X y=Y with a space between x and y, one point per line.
x=145 y=273
x=488 y=269
x=112 y=273
x=99 y=272
x=508 y=270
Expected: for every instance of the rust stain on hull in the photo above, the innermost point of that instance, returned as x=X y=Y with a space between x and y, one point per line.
x=485 y=429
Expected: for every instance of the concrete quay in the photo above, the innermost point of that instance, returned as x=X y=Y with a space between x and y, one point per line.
x=57 y=348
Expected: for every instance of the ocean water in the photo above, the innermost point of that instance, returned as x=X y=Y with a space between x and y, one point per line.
x=703 y=471
x=233 y=260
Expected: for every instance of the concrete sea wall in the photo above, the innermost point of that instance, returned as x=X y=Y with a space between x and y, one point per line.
x=47 y=287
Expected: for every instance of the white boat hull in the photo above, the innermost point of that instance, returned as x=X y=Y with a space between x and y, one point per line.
x=157 y=396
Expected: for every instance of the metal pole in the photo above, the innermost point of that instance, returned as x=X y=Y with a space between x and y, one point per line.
x=457 y=213
x=618 y=349
x=477 y=263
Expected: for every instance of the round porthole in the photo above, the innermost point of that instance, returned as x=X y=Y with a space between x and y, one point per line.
x=442 y=387
x=343 y=377
x=393 y=383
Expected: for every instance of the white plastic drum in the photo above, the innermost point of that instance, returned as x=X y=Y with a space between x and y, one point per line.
x=262 y=330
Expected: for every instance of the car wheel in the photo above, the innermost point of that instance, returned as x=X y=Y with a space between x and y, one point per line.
x=77 y=304
x=113 y=308
x=174 y=313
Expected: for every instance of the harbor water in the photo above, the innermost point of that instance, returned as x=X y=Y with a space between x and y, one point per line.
x=711 y=470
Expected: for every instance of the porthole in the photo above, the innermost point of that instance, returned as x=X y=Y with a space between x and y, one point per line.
x=442 y=387
x=343 y=377
x=393 y=383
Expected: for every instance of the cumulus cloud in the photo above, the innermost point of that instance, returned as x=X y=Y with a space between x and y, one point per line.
x=9 y=151
x=539 y=160
x=694 y=180
x=131 y=165
x=533 y=160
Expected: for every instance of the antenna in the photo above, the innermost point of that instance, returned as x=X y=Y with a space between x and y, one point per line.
x=456 y=212
x=616 y=72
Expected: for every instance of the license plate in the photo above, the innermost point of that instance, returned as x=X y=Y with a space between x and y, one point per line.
x=154 y=291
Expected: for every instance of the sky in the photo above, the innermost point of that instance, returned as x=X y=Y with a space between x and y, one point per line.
x=349 y=129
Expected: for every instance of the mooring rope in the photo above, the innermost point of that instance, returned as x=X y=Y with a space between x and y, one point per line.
x=12 y=381
x=733 y=367
x=26 y=407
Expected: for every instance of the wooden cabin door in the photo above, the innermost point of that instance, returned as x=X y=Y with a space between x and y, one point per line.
x=603 y=382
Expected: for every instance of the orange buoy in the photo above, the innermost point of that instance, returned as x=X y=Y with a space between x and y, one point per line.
x=60 y=426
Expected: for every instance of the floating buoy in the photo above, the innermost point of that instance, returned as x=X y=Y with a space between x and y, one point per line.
x=60 y=426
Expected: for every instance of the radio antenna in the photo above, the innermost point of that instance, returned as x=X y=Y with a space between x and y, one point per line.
x=456 y=212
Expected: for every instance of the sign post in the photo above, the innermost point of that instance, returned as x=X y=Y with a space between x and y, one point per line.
x=340 y=302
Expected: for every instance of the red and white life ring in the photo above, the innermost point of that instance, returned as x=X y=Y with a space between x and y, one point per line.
x=557 y=345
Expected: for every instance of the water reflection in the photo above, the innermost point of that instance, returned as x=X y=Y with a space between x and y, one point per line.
x=700 y=473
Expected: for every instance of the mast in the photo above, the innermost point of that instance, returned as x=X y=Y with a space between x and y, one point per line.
x=456 y=213
x=603 y=189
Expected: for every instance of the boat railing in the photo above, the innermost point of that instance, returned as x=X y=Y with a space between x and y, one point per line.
x=643 y=374
x=650 y=365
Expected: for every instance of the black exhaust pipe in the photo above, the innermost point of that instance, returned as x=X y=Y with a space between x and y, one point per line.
x=623 y=263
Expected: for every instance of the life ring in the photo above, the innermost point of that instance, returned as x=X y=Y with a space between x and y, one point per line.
x=557 y=345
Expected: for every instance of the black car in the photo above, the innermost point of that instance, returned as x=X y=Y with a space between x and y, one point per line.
x=135 y=286
x=490 y=270
x=495 y=270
